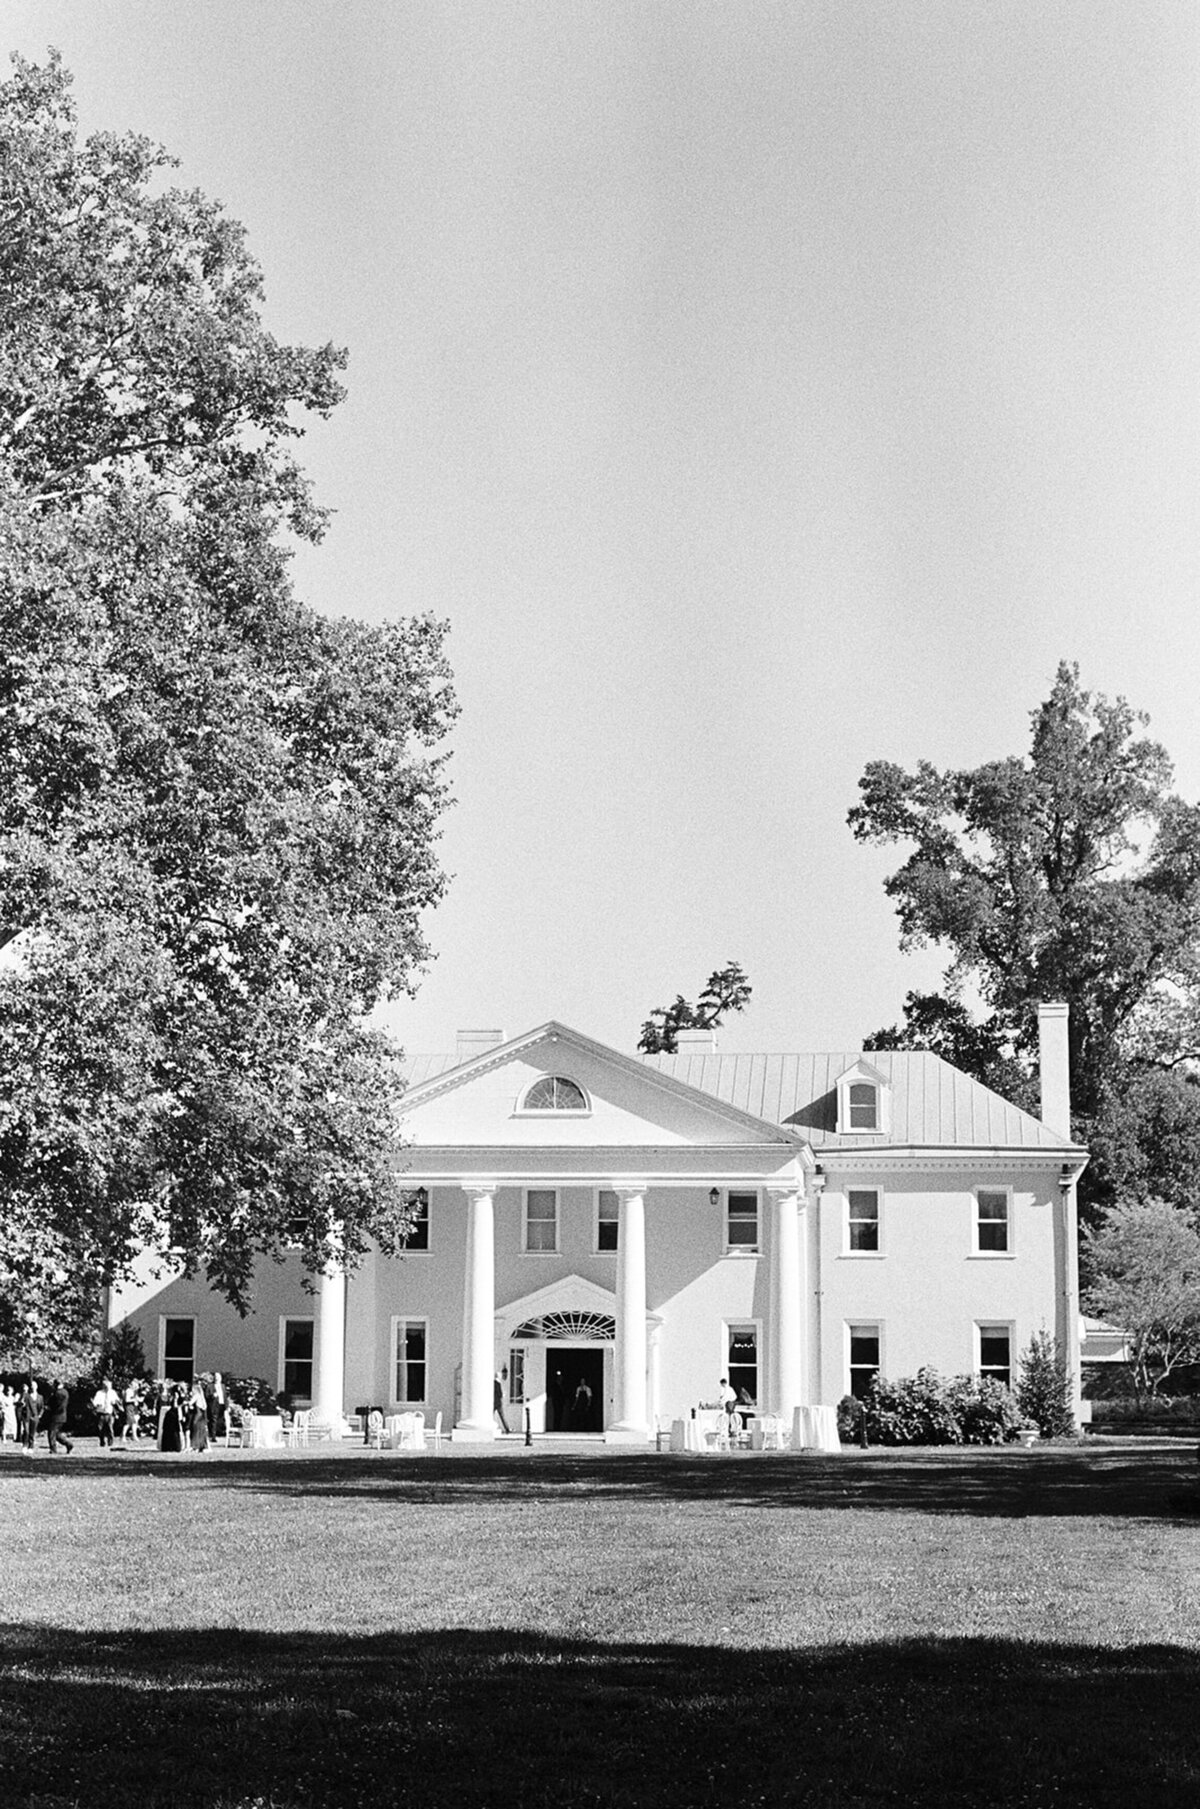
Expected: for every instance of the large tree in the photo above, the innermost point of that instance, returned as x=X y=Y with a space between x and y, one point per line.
x=1070 y=873
x=1143 y=1268
x=218 y=808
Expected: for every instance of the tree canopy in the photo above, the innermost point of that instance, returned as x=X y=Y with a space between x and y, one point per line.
x=218 y=808
x=726 y=990
x=1144 y=1268
x=1072 y=873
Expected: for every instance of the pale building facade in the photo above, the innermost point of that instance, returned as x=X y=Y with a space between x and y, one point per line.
x=611 y=1235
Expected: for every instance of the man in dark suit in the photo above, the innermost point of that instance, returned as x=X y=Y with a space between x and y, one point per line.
x=56 y=1419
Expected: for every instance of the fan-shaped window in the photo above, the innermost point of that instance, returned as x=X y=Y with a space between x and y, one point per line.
x=555 y=1093
x=572 y=1327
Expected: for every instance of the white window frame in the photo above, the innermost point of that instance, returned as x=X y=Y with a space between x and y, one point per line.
x=981 y=1326
x=286 y=1319
x=728 y=1328
x=742 y=1249
x=521 y=1110
x=862 y=1076
x=596 y=1249
x=422 y=1249
x=405 y=1320
x=179 y=1319
x=849 y=1328
x=1010 y=1228
x=554 y=1249
x=848 y=1220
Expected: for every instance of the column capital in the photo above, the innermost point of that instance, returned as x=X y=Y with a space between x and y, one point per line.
x=626 y=1189
x=782 y=1190
x=474 y=1186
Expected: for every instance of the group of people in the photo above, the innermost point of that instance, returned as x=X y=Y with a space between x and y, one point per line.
x=23 y=1411
x=179 y=1416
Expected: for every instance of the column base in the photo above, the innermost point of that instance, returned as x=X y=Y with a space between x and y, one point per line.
x=467 y=1434
x=627 y=1435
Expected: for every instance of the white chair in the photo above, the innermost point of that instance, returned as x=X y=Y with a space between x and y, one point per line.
x=409 y=1433
x=375 y=1429
x=297 y=1433
x=435 y=1431
x=772 y=1432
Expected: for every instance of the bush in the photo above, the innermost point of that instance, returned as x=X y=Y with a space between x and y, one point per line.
x=251 y=1392
x=928 y=1409
x=851 y=1420
x=1160 y=1410
x=1044 y=1388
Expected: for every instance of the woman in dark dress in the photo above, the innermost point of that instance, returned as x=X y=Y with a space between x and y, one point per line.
x=170 y=1425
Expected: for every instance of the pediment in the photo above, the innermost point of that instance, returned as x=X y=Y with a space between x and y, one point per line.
x=572 y=1296
x=500 y=1098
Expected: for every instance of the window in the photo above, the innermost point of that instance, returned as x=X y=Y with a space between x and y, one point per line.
x=995 y=1353
x=297 y=1364
x=418 y=1235
x=741 y=1222
x=608 y=1211
x=541 y=1219
x=864 y=1358
x=411 y=1359
x=991 y=1221
x=179 y=1349
x=516 y=1374
x=741 y=1360
x=554 y=1093
x=862 y=1221
x=864 y=1106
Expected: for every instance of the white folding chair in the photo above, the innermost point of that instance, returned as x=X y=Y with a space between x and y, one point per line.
x=297 y=1433
x=375 y=1429
x=435 y=1432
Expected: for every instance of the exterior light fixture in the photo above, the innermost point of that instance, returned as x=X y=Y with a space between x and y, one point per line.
x=422 y=1197
x=714 y=1196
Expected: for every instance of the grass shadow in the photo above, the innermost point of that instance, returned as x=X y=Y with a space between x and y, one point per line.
x=220 y=1717
x=1127 y=1482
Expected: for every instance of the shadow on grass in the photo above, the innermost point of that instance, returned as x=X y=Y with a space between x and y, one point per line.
x=1069 y=1480
x=223 y=1717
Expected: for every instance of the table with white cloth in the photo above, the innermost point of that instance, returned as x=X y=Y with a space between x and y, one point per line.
x=405 y=1431
x=688 y=1435
x=266 y=1429
x=815 y=1429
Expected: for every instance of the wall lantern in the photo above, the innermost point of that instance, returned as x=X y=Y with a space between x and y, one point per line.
x=419 y=1198
x=714 y=1196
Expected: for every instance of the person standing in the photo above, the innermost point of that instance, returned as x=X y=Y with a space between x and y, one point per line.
x=131 y=1402
x=8 y=1414
x=728 y=1399
x=498 y=1398
x=197 y=1418
x=56 y=1418
x=105 y=1402
x=29 y=1413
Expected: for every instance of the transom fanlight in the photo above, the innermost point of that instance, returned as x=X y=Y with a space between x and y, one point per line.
x=579 y=1327
x=555 y=1093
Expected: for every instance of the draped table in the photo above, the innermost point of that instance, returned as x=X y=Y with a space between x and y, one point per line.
x=815 y=1429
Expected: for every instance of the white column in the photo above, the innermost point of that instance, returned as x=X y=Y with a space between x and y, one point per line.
x=329 y=1348
x=631 y=1425
x=785 y=1370
x=1068 y=1334
x=477 y=1425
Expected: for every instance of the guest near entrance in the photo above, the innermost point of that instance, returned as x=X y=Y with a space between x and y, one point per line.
x=612 y=1234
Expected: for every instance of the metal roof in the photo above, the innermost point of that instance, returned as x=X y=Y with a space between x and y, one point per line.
x=932 y=1104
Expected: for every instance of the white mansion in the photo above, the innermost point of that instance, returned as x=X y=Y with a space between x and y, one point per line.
x=612 y=1234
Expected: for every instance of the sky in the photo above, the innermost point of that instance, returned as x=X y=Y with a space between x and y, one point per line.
x=757 y=389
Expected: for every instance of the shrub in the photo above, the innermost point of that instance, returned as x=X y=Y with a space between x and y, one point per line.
x=252 y=1392
x=851 y=1420
x=928 y=1409
x=1044 y=1388
x=914 y=1411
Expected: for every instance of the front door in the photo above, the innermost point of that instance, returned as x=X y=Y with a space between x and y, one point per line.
x=574 y=1389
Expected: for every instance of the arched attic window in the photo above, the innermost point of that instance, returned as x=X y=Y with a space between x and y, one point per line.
x=863 y=1100
x=864 y=1105
x=555 y=1093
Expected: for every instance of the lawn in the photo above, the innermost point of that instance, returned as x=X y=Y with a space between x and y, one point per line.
x=535 y=1629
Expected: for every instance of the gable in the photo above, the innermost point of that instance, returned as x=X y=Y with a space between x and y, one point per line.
x=484 y=1102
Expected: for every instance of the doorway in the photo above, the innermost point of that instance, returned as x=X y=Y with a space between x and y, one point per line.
x=574 y=1389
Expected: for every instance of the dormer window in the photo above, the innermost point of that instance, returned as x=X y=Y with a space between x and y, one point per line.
x=863 y=1100
x=555 y=1093
x=864 y=1106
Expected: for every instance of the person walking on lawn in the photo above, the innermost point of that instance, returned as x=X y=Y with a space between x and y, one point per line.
x=56 y=1419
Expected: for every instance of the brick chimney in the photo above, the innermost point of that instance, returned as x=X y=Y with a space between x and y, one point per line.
x=477 y=1042
x=1054 y=1068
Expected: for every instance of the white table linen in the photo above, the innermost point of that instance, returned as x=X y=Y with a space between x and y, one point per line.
x=815 y=1429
